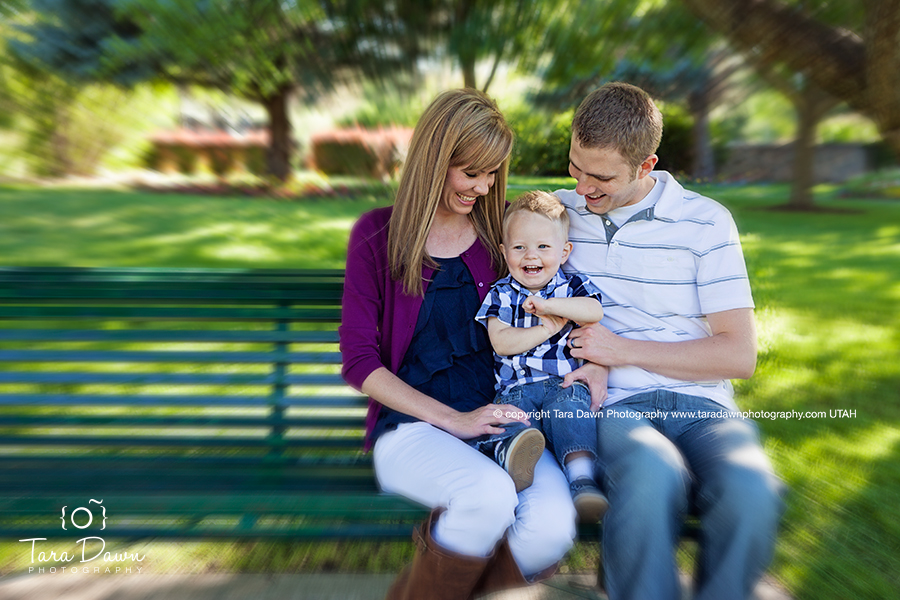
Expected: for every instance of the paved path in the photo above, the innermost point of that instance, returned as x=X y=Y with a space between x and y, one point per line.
x=225 y=586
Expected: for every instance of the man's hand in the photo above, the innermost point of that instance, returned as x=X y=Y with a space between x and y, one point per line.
x=596 y=377
x=597 y=344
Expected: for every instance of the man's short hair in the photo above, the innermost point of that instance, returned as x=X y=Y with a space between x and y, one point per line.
x=541 y=203
x=622 y=117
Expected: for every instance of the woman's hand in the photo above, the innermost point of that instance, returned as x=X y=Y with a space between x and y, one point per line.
x=483 y=420
x=596 y=377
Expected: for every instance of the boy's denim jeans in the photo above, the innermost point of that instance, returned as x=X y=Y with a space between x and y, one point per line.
x=561 y=414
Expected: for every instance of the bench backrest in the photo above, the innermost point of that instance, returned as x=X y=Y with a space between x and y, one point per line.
x=216 y=365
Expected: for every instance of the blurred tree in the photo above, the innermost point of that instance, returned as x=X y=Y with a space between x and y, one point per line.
x=261 y=50
x=811 y=104
x=657 y=46
x=850 y=50
x=469 y=31
x=699 y=83
x=11 y=8
x=34 y=102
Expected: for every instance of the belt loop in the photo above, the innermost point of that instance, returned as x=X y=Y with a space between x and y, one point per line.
x=667 y=400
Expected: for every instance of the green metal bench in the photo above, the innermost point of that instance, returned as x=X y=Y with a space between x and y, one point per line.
x=186 y=403
x=191 y=402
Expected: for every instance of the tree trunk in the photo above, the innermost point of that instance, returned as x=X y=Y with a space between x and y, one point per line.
x=811 y=104
x=468 y=69
x=61 y=163
x=882 y=34
x=281 y=146
x=464 y=50
x=703 y=167
x=804 y=158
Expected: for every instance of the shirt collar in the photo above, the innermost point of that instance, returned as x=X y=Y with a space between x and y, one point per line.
x=557 y=280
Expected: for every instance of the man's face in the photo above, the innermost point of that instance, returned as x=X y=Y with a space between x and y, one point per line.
x=606 y=180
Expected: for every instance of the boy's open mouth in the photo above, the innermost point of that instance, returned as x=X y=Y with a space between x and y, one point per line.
x=532 y=270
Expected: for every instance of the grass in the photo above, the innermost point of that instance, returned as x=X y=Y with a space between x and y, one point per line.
x=827 y=289
x=108 y=228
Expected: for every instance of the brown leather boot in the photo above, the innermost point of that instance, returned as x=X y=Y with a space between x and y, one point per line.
x=436 y=573
x=503 y=573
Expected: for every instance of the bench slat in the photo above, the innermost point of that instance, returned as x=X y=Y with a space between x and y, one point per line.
x=340 y=531
x=54 y=273
x=336 y=401
x=35 y=311
x=171 y=356
x=248 y=502
x=169 y=378
x=158 y=335
x=179 y=421
x=186 y=440
x=326 y=294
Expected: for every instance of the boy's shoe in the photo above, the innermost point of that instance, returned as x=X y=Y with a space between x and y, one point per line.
x=590 y=503
x=519 y=454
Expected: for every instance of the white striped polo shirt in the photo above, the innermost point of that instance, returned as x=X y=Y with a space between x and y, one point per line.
x=661 y=272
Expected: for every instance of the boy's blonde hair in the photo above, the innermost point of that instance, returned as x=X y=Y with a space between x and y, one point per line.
x=622 y=117
x=541 y=203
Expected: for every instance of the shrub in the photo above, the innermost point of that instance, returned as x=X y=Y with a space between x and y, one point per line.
x=542 y=141
x=188 y=151
x=676 y=152
x=880 y=184
x=376 y=153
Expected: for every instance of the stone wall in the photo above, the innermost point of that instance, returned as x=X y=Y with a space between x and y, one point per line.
x=834 y=162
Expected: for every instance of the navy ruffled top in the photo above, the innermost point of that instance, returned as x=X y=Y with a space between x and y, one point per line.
x=450 y=356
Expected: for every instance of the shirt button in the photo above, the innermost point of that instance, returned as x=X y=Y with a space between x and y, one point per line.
x=480 y=284
x=608 y=223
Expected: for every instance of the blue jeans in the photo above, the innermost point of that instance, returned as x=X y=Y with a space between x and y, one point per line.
x=656 y=466
x=561 y=414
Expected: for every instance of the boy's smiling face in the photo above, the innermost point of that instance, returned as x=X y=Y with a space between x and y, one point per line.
x=534 y=248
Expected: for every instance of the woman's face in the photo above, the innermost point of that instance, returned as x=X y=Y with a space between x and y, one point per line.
x=463 y=187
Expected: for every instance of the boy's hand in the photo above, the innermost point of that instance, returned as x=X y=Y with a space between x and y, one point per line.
x=596 y=377
x=553 y=324
x=535 y=305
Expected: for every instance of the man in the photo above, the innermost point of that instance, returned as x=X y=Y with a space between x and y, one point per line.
x=678 y=324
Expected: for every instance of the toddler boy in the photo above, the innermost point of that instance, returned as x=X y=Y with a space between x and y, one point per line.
x=528 y=315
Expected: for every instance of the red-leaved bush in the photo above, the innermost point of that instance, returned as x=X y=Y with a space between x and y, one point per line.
x=376 y=153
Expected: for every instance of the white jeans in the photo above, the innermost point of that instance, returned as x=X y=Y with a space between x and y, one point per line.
x=432 y=467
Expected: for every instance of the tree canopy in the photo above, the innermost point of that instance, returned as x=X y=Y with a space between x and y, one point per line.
x=851 y=50
x=261 y=50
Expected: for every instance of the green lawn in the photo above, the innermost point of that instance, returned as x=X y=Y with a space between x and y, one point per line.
x=827 y=288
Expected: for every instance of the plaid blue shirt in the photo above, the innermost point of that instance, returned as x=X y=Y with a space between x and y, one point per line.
x=551 y=358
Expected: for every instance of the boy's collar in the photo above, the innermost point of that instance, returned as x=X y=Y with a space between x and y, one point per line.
x=558 y=279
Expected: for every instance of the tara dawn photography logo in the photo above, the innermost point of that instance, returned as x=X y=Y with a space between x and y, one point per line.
x=90 y=548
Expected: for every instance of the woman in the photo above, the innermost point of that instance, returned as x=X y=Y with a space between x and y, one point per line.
x=416 y=275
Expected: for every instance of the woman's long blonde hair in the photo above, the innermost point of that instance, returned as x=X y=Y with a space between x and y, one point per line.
x=461 y=128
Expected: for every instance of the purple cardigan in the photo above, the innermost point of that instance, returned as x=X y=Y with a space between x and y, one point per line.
x=377 y=318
